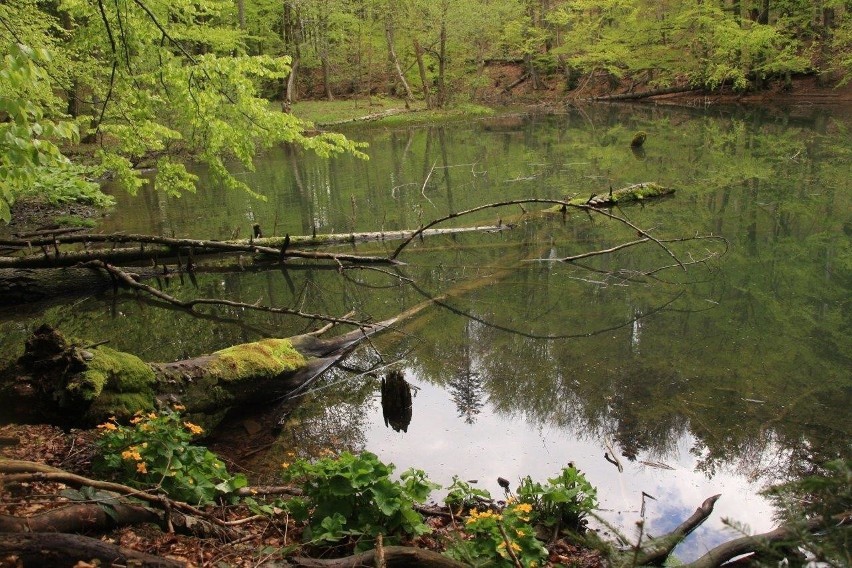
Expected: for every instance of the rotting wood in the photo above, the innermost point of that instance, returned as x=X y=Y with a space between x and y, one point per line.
x=61 y=382
x=59 y=549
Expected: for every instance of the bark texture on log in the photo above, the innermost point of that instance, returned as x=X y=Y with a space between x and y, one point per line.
x=57 y=549
x=658 y=550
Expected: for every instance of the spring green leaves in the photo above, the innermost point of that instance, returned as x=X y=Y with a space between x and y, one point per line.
x=30 y=158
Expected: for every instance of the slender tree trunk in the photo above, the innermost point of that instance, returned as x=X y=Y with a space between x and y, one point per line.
x=763 y=17
x=326 y=82
x=424 y=80
x=442 y=59
x=292 y=39
x=241 y=14
x=395 y=60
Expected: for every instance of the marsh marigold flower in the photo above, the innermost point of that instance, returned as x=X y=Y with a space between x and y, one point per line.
x=108 y=426
x=141 y=467
x=523 y=507
x=194 y=428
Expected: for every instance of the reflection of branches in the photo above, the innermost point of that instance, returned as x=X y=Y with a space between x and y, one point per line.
x=438 y=301
x=128 y=280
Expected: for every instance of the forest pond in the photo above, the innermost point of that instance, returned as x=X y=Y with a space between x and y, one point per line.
x=720 y=378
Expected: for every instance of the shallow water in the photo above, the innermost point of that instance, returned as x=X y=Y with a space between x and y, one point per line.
x=720 y=378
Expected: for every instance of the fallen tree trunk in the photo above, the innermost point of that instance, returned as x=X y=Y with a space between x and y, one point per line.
x=58 y=549
x=60 y=382
x=645 y=94
x=152 y=247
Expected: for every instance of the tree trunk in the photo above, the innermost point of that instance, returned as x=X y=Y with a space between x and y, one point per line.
x=395 y=60
x=442 y=60
x=421 y=68
x=56 y=549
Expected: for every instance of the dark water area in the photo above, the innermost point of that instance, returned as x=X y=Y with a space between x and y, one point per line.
x=721 y=378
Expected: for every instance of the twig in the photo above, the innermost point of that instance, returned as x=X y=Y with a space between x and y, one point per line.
x=129 y=281
x=509 y=546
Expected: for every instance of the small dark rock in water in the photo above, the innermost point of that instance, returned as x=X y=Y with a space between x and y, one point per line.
x=503 y=482
x=638 y=139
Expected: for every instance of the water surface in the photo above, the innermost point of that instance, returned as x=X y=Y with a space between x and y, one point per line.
x=721 y=378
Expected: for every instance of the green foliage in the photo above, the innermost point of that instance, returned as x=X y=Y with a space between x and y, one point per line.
x=461 y=494
x=155 y=452
x=563 y=501
x=495 y=534
x=826 y=494
x=353 y=496
x=30 y=159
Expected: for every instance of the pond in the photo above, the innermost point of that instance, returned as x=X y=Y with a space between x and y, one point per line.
x=722 y=377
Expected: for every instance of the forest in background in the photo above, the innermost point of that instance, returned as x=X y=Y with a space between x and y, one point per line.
x=109 y=88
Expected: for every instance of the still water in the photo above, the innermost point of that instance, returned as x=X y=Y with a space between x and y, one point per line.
x=722 y=377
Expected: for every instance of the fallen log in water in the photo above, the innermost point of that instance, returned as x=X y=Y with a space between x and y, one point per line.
x=61 y=382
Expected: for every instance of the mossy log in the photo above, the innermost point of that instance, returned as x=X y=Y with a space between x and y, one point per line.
x=62 y=382
x=635 y=193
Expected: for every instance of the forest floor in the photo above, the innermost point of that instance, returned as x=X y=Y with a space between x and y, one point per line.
x=262 y=541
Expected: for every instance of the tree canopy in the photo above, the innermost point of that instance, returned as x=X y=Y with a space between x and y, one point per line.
x=154 y=85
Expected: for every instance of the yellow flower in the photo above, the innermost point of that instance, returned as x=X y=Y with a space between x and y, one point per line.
x=520 y=532
x=515 y=546
x=523 y=507
x=108 y=426
x=152 y=416
x=179 y=407
x=136 y=419
x=131 y=453
x=193 y=428
x=141 y=467
x=285 y=465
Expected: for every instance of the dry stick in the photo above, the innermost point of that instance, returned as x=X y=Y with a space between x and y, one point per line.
x=591 y=253
x=657 y=550
x=128 y=280
x=509 y=546
x=39 y=473
x=474 y=210
x=641 y=232
x=755 y=543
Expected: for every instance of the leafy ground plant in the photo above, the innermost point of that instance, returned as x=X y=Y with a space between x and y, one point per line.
x=504 y=538
x=155 y=451
x=354 y=496
x=563 y=501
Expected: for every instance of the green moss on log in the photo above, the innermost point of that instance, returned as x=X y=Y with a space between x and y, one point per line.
x=268 y=358
x=116 y=383
x=114 y=371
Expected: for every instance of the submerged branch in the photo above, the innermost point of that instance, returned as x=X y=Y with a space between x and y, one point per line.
x=130 y=281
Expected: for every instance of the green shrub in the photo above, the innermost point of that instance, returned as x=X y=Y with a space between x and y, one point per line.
x=564 y=500
x=353 y=496
x=155 y=452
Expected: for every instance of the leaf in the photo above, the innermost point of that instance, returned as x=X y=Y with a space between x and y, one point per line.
x=73 y=495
